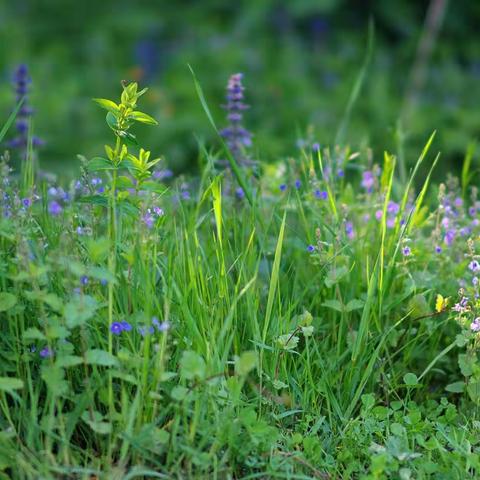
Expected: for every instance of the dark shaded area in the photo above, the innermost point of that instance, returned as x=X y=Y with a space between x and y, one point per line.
x=300 y=60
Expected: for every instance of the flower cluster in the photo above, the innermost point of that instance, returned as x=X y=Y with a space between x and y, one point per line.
x=237 y=137
x=21 y=82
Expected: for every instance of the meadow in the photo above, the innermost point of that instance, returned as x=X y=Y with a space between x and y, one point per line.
x=315 y=317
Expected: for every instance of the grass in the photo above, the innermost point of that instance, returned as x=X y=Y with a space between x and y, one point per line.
x=299 y=335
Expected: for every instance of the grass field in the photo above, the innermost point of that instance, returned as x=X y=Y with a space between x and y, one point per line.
x=311 y=318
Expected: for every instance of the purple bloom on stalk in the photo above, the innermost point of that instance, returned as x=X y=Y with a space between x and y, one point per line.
x=236 y=136
x=46 y=352
x=185 y=195
x=162 y=174
x=298 y=184
x=390 y=222
x=283 y=187
x=438 y=249
x=406 y=251
x=449 y=237
x=84 y=280
x=54 y=208
x=368 y=180
x=472 y=211
x=340 y=173
x=26 y=202
x=158 y=211
x=164 y=327
x=379 y=214
x=475 y=325
x=316 y=147
x=349 y=230
x=21 y=82
x=116 y=328
x=458 y=202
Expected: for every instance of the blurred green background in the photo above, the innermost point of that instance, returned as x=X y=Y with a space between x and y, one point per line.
x=300 y=59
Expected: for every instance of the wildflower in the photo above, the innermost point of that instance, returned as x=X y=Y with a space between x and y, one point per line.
x=379 y=214
x=458 y=202
x=54 y=208
x=240 y=194
x=390 y=222
x=79 y=230
x=368 y=180
x=298 y=184
x=474 y=266
x=21 y=82
x=126 y=327
x=393 y=208
x=158 y=211
x=96 y=181
x=340 y=173
x=475 y=281
x=185 y=194
x=349 y=230
x=116 y=328
x=449 y=237
x=236 y=136
x=162 y=174
x=46 y=352
x=316 y=147
x=310 y=248
x=472 y=211
x=462 y=306
x=321 y=195
x=438 y=249
x=406 y=251
x=475 y=325
x=26 y=202
x=84 y=280
x=283 y=187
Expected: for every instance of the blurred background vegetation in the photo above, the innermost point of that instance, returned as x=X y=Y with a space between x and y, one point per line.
x=300 y=59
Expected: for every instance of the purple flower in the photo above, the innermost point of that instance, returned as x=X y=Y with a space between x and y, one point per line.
x=46 y=352
x=368 y=180
x=185 y=194
x=21 y=82
x=96 y=181
x=321 y=195
x=438 y=249
x=240 y=194
x=236 y=136
x=316 y=147
x=474 y=266
x=54 y=208
x=449 y=237
x=390 y=222
x=393 y=208
x=116 y=328
x=310 y=248
x=406 y=251
x=148 y=219
x=298 y=184
x=26 y=202
x=162 y=174
x=283 y=187
x=379 y=214
x=126 y=327
x=349 y=230
x=458 y=202
x=84 y=280
x=340 y=173
x=475 y=325
x=158 y=211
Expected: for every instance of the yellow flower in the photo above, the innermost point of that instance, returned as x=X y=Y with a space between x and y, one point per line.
x=441 y=304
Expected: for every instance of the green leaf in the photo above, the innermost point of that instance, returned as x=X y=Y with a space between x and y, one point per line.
x=333 y=304
x=33 y=334
x=7 y=301
x=192 y=366
x=79 y=310
x=335 y=275
x=142 y=118
x=246 y=363
x=128 y=138
x=112 y=121
x=10 y=383
x=410 y=379
x=456 y=387
x=354 y=304
x=466 y=363
x=99 y=163
x=10 y=119
x=179 y=393
x=107 y=104
x=473 y=389
x=100 y=357
x=66 y=361
x=54 y=377
x=95 y=422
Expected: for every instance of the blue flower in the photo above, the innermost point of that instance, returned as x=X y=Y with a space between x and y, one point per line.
x=54 y=208
x=310 y=248
x=116 y=328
